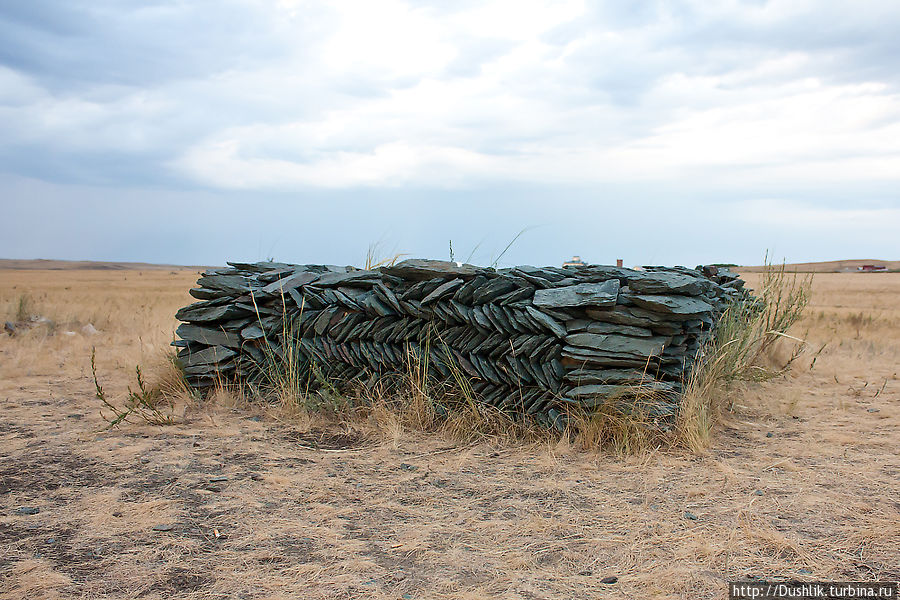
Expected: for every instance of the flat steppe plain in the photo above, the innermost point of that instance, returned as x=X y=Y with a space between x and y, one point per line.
x=802 y=480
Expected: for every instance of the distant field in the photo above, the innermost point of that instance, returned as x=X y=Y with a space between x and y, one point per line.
x=69 y=265
x=832 y=266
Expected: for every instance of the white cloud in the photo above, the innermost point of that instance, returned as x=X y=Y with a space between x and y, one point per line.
x=360 y=94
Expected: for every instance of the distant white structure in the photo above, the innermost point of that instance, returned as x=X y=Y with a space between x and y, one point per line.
x=575 y=261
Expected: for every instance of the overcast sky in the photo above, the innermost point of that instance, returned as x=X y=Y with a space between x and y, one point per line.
x=665 y=132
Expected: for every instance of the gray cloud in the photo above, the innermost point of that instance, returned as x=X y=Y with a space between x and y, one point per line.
x=418 y=117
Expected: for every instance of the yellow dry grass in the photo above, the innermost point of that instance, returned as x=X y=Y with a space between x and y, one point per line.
x=410 y=516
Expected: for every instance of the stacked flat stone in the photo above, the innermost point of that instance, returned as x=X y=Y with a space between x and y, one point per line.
x=527 y=339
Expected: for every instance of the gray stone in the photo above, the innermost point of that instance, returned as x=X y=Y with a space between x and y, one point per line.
x=551 y=324
x=419 y=269
x=573 y=356
x=445 y=289
x=348 y=278
x=667 y=283
x=210 y=314
x=676 y=305
x=588 y=326
x=598 y=390
x=232 y=284
x=595 y=376
x=209 y=337
x=207 y=356
x=252 y=332
x=493 y=289
x=207 y=294
x=619 y=344
x=289 y=283
x=582 y=294
x=465 y=293
x=387 y=296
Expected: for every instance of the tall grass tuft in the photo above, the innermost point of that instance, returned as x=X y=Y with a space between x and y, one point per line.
x=24 y=308
x=744 y=334
x=152 y=404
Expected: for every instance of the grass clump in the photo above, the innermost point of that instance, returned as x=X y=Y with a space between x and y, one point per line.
x=745 y=333
x=152 y=404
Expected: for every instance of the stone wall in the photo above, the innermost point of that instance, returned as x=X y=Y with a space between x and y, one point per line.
x=528 y=339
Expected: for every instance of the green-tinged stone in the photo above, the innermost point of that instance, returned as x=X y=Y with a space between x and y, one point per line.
x=419 y=269
x=289 y=283
x=619 y=344
x=207 y=356
x=546 y=321
x=465 y=293
x=374 y=305
x=573 y=356
x=676 y=305
x=589 y=326
x=348 y=278
x=595 y=376
x=516 y=295
x=445 y=289
x=209 y=314
x=388 y=297
x=419 y=290
x=252 y=332
x=582 y=294
x=233 y=284
x=668 y=283
x=207 y=294
x=209 y=337
x=492 y=289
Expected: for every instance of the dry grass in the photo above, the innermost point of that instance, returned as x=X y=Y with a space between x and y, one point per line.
x=343 y=510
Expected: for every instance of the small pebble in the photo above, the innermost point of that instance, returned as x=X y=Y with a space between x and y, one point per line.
x=218 y=479
x=117 y=514
x=770 y=434
x=610 y=579
x=586 y=573
x=408 y=467
x=28 y=510
x=163 y=527
x=758 y=492
x=689 y=515
x=872 y=410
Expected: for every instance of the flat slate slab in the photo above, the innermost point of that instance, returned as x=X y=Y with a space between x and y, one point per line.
x=667 y=283
x=619 y=344
x=583 y=294
x=417 y=269
x=291 y=282
x=210 y=337
x=676 y=305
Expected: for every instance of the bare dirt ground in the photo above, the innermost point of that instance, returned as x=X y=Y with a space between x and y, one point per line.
x=802 y=481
